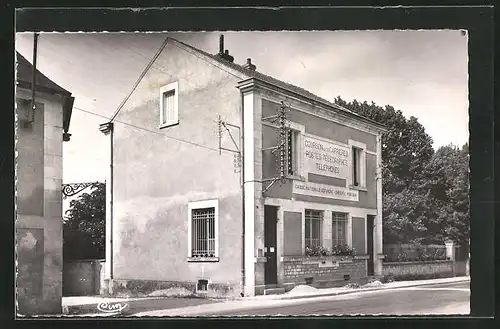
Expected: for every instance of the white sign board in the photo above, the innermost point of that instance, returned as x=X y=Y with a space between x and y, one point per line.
x=325 y=158
x=325 y=191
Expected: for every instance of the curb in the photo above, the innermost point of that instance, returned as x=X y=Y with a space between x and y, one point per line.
x=367 y=289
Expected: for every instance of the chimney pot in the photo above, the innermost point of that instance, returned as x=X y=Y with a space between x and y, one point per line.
x=221 y=44
x=226 y=52
x=249 y=65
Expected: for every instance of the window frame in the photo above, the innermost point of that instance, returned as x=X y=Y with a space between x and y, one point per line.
x=345 y=227
x=297 y=150
x=194 y=205
x=361 y=147
x=320 y=225
x=173 y=86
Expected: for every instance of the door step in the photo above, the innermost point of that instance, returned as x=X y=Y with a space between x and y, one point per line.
x=274 y=291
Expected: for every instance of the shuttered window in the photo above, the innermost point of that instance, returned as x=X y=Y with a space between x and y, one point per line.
x=168 y=106
x=313 y=222
x=169 y=103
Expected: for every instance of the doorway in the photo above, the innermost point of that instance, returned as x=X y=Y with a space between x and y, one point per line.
x=370 y=220
x=270 y=239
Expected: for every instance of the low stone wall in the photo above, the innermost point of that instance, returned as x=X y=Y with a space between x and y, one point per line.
x=326 y=269
x=420 y=269
x=82 y=278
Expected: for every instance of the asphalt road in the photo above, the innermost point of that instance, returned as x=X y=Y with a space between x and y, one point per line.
x=450 y=298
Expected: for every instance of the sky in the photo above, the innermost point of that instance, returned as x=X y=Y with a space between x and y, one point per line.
x=422 y=73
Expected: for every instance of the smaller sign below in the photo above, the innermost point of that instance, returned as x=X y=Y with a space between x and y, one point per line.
x=325 y=191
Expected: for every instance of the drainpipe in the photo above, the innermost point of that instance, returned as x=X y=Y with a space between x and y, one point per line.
x=242 y=293
x=107 y=129
x=33 y=81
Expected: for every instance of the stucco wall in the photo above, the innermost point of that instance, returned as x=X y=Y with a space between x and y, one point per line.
x=156 y=176
x=39 y=207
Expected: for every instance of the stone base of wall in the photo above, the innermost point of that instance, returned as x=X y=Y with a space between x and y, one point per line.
x=142 y=288
x=401 y=271
x=325 y=272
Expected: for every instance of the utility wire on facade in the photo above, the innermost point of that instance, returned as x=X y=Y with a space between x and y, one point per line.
x=148 y=130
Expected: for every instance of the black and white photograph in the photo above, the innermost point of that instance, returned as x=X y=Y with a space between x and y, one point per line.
x=242 y=173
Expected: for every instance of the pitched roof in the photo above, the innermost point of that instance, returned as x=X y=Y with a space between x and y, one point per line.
x=25 y=75
x=44 y=84
x=279 y=83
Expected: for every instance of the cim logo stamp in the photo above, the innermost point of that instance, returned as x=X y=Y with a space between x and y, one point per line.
x=111 y=307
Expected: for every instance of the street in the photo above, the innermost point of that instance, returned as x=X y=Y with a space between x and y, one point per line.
x=450 y=298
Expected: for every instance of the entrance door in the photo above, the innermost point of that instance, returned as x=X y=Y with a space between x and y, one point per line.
x=270 y=222
x=370 y=219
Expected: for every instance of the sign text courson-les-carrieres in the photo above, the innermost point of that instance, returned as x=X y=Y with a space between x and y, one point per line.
x=325 y=158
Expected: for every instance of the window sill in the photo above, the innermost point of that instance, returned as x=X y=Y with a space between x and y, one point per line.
x=359 y=188
x=168 y=124
x=203 y=259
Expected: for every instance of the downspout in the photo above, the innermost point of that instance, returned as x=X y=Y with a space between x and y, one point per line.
x=243 y=278
x=33 y=81
x=111 y=201
x=108 y=130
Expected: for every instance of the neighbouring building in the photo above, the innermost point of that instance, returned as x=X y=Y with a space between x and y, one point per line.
x=183 y=209
x=39 y=164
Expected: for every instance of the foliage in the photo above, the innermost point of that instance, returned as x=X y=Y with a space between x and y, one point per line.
x=340 y=250
x=84 y=226
x=317 y=251
x=425 y=193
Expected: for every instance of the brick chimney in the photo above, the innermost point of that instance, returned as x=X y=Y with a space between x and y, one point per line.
x=224 y=53
x=248 y=65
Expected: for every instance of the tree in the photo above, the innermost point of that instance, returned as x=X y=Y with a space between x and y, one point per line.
x=406 y=151
x=447 y=181
x=84 y=226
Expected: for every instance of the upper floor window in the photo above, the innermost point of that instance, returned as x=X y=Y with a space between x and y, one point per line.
x=169 y=104
x=358 y=164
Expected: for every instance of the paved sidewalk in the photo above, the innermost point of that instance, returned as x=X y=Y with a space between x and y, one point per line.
x=88 y=305
x=297 y=295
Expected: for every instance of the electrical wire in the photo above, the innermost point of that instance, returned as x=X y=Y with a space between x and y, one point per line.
x=148 y=130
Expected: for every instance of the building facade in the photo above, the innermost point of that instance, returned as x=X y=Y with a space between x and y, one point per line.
x=191 y=161
x=39 y=137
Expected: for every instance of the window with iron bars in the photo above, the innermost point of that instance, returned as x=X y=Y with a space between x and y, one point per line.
x=203 y=232
x=339 y=229
x=314 y=220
